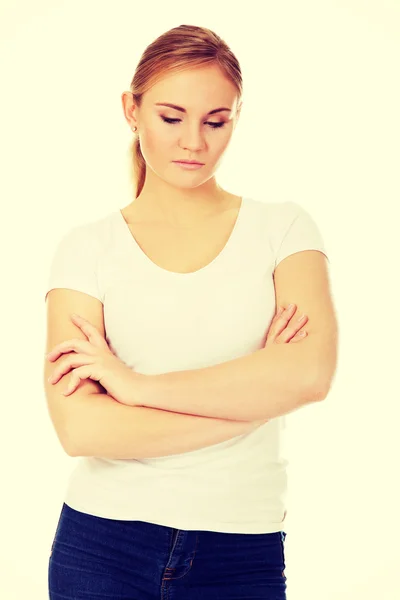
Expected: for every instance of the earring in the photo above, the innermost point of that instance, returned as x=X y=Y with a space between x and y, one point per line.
x=134 y=129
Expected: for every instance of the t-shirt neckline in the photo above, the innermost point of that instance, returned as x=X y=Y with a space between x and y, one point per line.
x=146 y=260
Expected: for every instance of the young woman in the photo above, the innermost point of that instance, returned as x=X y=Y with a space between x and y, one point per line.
x=179 y=371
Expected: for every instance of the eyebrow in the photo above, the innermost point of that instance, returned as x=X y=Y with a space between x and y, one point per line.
x=183 y=110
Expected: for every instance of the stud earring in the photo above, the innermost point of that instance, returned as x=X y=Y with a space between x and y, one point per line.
x=134 y=129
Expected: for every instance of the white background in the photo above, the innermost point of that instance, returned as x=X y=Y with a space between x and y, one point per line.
x=320 y=125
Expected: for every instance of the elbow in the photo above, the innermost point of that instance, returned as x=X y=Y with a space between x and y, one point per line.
x=312 y=391
x=71 y=453
x=70 y=447
x=66 y=444
x=70 y=444
x=324 y=382
x=80 y=443
x=72 y=450
x=320 y=389
x=327 y=367
x=315 y=393
x=63 y=435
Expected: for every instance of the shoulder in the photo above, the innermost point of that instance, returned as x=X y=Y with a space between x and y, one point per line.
x=87 y=236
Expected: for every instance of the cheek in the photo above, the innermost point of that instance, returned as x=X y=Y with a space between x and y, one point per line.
x=157 y=146
x=156 y=138
x=221 y=141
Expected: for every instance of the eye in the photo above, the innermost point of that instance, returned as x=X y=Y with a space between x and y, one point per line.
x=210 y=123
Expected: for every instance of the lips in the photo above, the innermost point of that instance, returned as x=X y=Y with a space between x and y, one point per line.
x=189 y=162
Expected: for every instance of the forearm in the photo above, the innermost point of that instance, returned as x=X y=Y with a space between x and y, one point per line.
x=105 y=428
x=263 y=385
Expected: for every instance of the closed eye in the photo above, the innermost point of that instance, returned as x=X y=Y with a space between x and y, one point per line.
x=210 y=123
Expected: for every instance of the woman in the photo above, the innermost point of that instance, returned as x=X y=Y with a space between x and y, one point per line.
x=167 y=501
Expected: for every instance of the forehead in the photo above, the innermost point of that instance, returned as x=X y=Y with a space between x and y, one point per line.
x=194 y=88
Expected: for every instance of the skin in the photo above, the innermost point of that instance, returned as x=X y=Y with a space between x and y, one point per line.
x=172 y=195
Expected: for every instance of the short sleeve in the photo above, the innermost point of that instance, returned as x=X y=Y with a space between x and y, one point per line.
x=74 y=262
x=300 y=232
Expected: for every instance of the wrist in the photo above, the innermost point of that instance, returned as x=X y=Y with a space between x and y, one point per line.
x=139 y=388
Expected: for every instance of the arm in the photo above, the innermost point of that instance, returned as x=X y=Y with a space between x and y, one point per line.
x=265 y=384
x=272 y=381
x=105 y=428
x=91 y=423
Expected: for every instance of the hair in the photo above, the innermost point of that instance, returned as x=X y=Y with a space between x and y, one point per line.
x=176 y=50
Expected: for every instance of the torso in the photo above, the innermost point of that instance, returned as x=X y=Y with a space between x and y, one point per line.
x=181 y=250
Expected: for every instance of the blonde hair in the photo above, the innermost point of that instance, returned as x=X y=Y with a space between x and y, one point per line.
x=178 y=49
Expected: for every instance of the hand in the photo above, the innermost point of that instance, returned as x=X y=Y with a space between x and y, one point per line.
x=284 y=329
x=93 y=359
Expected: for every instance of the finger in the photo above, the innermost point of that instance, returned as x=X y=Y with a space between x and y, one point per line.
x=300 y=335
x=71 y=387
x=279 y=325
x=281 y=322
x=77 y=376
x=291 y=331
x=71 y=362
x=74 y=345
x=296 y=325
x=290 y=328
x=285 y=314
x=91 y=332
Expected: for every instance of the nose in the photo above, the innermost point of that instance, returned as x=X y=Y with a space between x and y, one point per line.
x=191 y=138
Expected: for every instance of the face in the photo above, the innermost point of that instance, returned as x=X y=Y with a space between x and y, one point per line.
x=168 y=134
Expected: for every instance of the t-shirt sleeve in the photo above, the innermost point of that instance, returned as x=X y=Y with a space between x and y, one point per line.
x=74 y=262
x=300 y=232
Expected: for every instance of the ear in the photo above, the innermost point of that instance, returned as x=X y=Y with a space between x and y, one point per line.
x=236 y=118
x=129 y=108
x=238 y=111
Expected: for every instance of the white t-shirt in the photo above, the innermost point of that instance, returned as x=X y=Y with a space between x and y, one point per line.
x=158 y=321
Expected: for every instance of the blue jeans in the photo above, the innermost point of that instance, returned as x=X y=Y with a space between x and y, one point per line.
x=94 y=558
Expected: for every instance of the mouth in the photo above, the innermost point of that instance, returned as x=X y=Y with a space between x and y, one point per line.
x=188 y=162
